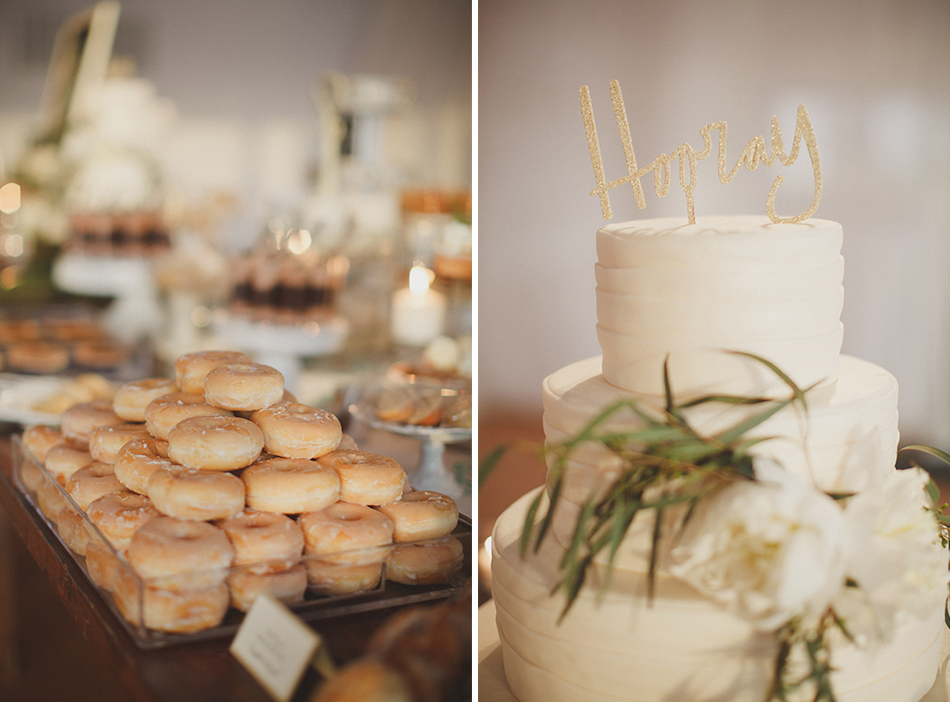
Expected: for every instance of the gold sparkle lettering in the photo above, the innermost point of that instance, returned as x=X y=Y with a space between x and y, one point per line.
x=687 y=159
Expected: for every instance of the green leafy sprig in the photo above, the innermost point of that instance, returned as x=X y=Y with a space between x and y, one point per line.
x=810 y=644
x=666 y=464
x=933 y=492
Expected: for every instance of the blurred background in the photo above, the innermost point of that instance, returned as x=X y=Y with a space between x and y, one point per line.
x=234 y=83
x=255 y=176
x=875 y=78
x=291 y=179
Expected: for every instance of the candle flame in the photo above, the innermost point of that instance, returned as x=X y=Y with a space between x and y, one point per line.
x=9 y=198
x=419 y=277
x=299 y=241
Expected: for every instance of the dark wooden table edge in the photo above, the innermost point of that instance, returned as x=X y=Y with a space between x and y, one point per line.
x=81 y=599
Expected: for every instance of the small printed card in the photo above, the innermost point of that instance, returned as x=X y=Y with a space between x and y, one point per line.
x=275 y=646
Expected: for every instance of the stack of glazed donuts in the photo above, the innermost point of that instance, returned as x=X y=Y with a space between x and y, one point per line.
x=217 y=485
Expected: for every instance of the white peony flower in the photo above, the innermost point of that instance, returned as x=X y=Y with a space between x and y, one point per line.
x=768 y=550
x=893 y=552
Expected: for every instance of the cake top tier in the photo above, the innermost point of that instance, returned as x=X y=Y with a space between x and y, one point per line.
x=691 y=293
x=733 y=243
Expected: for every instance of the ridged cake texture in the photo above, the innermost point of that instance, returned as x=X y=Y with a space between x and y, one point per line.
x=689 y=296
x=694 y=292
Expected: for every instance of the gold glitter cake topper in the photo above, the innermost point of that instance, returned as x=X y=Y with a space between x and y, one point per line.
x=753 y=154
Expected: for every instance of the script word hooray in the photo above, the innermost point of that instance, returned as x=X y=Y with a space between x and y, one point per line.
x=753 y=154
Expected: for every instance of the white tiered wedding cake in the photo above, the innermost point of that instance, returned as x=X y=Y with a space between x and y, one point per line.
x=756 y=559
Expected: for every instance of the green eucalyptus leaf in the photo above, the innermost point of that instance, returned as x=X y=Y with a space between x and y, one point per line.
x=933 y=492
x=654 y=551
x=690 y=451
x=549 y=516
x=725 y=400
x=727 y=437
x=741 y=448
x=798 y=393
x=579 y=533
x=650 y=435
x=930 y=450
x=529 y=523
x=490 y=462
x=667 y=386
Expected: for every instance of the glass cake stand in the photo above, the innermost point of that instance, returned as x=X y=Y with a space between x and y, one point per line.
x=431 y=473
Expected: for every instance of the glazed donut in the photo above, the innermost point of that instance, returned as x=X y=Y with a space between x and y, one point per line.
x=288 y=586
x=192 y=368
x=100 y=354
x=72 y=529
x=92 y=482
x=102 y=563
x=366 y=478
x=132 y=398
x=395 y=404
x=105 y=442
x=39 y=439
x=63 y=460
x=180 y=554
x=347 y=533
x=248 y=414
x=421 y=514
x=19 y=330
x=50 y=500
x=328 y=578
x=138 y=459
x=290 y=485
x=164 y=412
x=244 y=386
x=120 y=515
x=70 y=329
x=188 y=493
x=425 y=563
x=80 y=420
x=30 y=474
x=215 y=443
x=294 y=430
x=37 y=356
x=174 y=612
x=265 y=542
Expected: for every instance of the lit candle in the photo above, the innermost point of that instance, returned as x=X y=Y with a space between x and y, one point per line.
x=418 y=312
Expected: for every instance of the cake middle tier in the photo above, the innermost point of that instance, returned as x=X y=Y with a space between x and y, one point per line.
x=845 y=441
x=692 y=293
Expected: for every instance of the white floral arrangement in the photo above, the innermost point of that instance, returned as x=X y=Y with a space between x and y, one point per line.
x=767 y=545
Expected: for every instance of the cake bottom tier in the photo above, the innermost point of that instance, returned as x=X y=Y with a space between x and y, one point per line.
x=615 y=645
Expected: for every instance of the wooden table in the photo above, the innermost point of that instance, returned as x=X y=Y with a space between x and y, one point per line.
x=203 y=671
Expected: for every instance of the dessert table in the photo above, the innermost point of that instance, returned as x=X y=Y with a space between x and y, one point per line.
x=201 y=670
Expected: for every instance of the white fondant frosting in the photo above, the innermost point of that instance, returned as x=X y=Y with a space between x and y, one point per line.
x=615 y=644
x=667 y=289
x=690 y=296
x=845 y=441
